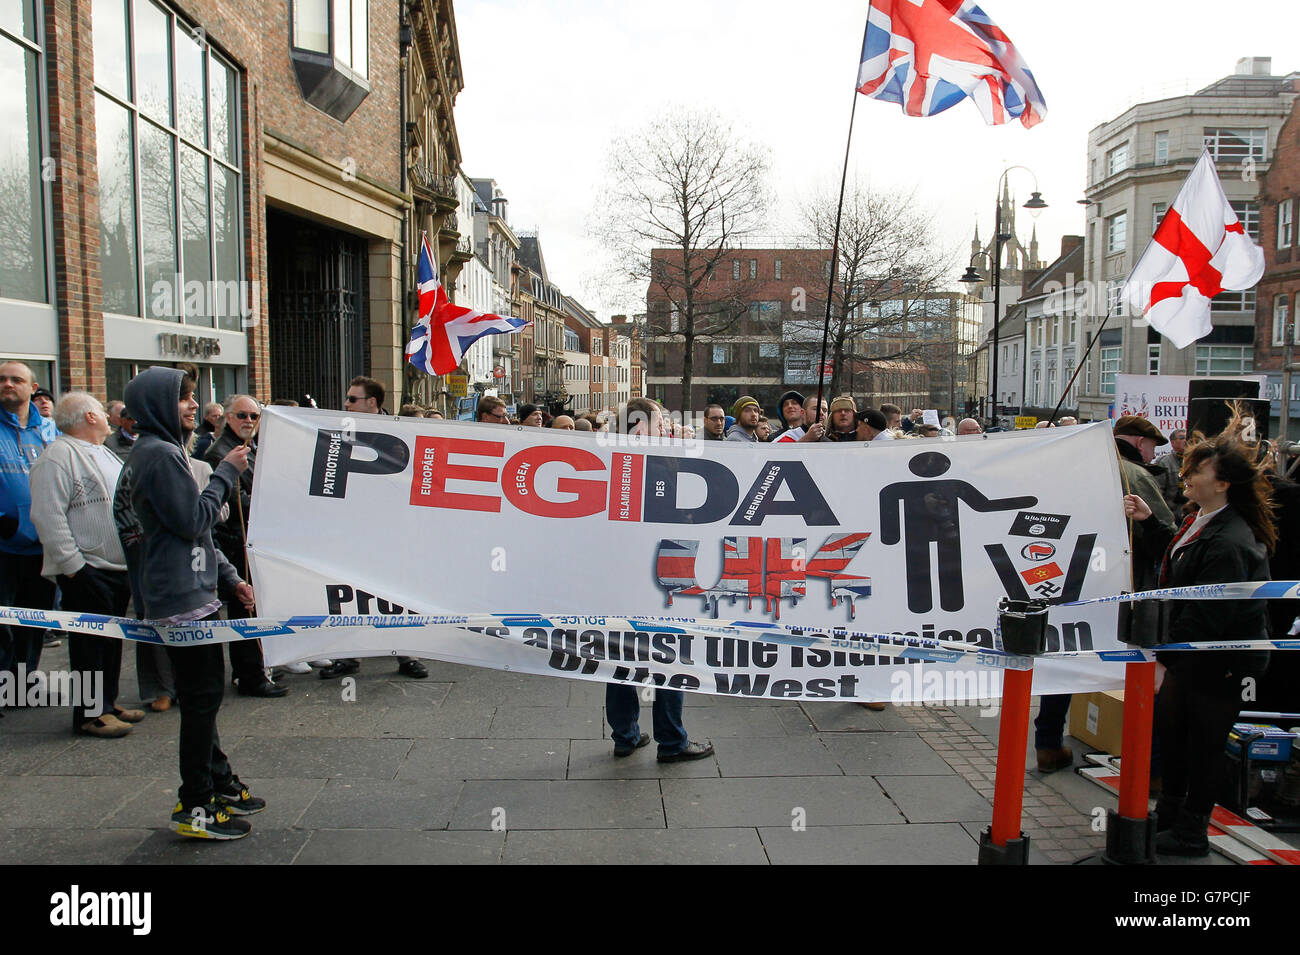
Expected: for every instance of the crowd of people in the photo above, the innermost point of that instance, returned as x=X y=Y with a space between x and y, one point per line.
x=141 y=507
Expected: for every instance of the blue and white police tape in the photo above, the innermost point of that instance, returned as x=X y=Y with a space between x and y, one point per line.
x=1242 y=590
x=521 y=628
x=512 y=626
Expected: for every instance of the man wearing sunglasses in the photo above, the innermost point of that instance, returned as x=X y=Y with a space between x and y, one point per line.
x=242 y=414
x=492 y=410
x=366 y=396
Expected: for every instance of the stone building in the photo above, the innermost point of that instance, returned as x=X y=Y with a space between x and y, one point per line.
x=1136 y=164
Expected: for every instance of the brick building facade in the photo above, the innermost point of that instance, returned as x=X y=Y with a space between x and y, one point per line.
x=1278 y=293
x=758 y=328
x=221 y=183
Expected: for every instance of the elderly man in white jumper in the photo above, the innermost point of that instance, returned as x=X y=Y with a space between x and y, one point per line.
x=72 y=509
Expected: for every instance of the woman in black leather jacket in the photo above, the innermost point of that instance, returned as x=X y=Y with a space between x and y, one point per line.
x=1226 y=539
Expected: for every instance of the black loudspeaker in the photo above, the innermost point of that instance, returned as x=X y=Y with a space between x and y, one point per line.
x=1222 y=388
x=1210 y=416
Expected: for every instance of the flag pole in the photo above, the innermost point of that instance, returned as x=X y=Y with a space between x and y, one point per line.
x=1079 y=367
x=835 y=244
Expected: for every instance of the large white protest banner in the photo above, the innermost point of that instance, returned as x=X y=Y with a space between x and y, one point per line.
x=1161 y=399
x=374 y=515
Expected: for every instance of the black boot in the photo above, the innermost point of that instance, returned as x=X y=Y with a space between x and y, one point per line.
x=1189 y=836
x=1167 y=810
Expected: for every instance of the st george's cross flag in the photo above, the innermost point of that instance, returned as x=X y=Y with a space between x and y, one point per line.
x=443 y=331
x=1199 y=250
x=928 y=55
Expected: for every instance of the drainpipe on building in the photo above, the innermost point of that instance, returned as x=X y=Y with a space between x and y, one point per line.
x=404 y=41
x=1284 y=402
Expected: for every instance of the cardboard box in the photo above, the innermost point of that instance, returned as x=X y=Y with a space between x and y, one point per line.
x=1097 y=719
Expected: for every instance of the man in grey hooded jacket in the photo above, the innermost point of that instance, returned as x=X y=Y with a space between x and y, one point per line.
x=176 y=575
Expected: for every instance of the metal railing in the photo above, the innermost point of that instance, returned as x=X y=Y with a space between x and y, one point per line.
x=434 y=182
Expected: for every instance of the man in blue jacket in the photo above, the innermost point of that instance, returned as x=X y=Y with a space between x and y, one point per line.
x=24 y=434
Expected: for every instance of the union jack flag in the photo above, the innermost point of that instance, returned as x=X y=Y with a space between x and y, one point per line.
x=742 y=569
x=444 y=331
x=928 y=55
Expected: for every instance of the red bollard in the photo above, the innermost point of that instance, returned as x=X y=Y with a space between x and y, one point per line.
x=1003 y=843
x=1131 y=832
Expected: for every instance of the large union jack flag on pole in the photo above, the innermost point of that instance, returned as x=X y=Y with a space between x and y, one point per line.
x=928 y=55
x=444 y=331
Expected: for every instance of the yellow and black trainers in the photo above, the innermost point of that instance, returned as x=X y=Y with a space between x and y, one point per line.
x=208 y=822
x=235 y=798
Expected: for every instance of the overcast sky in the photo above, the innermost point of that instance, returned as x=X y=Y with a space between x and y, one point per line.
x=548 y=83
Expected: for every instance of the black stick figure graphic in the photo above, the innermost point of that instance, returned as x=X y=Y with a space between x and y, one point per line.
x=930 y=516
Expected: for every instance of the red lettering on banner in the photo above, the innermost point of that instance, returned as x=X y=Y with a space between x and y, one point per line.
x=433 y=470
x=518 y=481
x=625 y=487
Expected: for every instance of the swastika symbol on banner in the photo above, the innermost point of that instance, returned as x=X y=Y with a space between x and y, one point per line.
x=1047 y=589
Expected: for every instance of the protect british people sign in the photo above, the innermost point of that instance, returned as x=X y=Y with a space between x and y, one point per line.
x=745 y=569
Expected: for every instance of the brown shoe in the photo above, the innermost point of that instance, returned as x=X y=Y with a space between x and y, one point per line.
x=874 y=707
x=107 y=726
x=129 y=716
x=162 y=704
x=1050 y=760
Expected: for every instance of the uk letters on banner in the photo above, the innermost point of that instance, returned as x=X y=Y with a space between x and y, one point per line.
x=915 y=538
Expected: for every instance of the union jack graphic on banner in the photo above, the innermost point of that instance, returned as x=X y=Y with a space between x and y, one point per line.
x=929 y=55
x=443 y=331
x=786 y=577
x=742 y=569
x=675 y=568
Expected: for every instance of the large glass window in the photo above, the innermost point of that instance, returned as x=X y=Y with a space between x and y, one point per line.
x=1117 y=159
x=1158 y=210
x=169 y=169
x=22 y=170
x=1234 y=145
x=1110 y=358
x=311 y=25
x=350 y=34
x=1117 y=233
x=765 y=318
x=1234 y=301
x=1247 y=212
x=1284 y=224
x=1225 y=359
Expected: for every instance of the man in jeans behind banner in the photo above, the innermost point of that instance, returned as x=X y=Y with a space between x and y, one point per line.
x=622 y=702
x=179 y=574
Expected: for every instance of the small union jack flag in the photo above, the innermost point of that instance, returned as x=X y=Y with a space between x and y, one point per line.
x=929 y=55
x=444 y=331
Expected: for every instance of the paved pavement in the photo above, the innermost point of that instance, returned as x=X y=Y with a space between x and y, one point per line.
x=482 y=766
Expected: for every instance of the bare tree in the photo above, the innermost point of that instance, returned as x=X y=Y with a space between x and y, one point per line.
x=682 y=193
x=890 y=258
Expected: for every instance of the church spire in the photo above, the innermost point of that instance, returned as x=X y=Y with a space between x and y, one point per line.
x=1033 y=248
